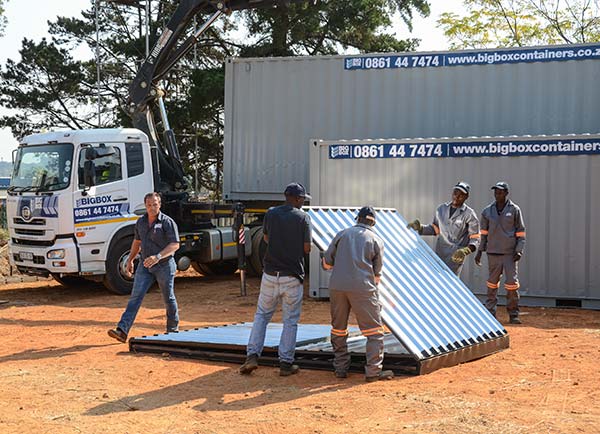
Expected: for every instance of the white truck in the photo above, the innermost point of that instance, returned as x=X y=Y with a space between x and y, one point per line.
x=75 y=195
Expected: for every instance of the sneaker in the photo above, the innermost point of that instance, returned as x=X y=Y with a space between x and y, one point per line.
x=249 y=365
x=515 y=320
x=383 y=375
x=118 y=334
x=286 y=369
x=341 y=374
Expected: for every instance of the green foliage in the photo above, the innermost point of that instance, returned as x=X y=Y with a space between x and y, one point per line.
x=2 y=17
x=509 y=23
x=48 y=88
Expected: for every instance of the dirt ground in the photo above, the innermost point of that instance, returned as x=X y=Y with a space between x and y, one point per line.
x=60 y=373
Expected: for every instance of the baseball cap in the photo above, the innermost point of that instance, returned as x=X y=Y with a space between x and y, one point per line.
x=366 y=212
x=296 y=189
x=463 y=186
x=500 y=185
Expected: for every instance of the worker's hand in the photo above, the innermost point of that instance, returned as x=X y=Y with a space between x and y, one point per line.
x=458 y=257
x=150 y=261
x=416 y=225
x=325 y=265
x=377 y=280
x=129 y=268
x=478 y=258
x=517 y=256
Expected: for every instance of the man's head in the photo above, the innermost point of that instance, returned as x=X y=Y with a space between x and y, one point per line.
x=152 y=203
x=366 y=216
x=295 y=194
x=460 y=194
x=500 y=191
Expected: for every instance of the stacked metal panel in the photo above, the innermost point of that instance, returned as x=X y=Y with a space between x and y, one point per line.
x=431 y=312
x=313 y=349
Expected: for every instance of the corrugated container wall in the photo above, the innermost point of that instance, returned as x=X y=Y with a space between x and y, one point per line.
x=558 y=195
x=274 y=106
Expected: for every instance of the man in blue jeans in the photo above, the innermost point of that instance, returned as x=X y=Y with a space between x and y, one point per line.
x=287 y=232
x=157 y=237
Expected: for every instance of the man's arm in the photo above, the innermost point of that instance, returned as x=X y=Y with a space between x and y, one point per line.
x=520 y=234
x=307 y=235
x=134 y=250
x=433 y=228
x=378 y=261
x=484 y=237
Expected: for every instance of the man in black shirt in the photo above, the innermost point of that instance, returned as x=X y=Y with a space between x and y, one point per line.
x=287 y=232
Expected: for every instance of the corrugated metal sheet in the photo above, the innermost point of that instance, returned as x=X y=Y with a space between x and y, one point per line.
x=557 y=194
x=424 y=305
x=228 y=344
x=273 y=107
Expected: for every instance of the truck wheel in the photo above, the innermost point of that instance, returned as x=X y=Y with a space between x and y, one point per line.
x=115 y=278
x=73 y=281
x=259 y=248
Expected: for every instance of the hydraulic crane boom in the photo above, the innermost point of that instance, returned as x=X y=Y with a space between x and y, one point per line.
x=145 y=94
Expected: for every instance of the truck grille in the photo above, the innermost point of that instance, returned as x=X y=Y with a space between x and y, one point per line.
x=36 y=222
x=34 y=232
x=23 y=242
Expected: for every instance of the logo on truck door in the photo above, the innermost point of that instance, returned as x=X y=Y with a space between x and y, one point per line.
x=102 y=210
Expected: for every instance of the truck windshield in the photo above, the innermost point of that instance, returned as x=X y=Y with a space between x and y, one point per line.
x=42 y=167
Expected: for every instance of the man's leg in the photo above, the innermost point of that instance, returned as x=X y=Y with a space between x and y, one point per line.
x=267 y=303
x=493 y=282
x=512 y=286
x=142 y=281
x=367 y=309
x=165 y=276
x=291 y=291
x=340 y=311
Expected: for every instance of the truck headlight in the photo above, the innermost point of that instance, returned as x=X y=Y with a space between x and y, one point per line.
x=56 y=254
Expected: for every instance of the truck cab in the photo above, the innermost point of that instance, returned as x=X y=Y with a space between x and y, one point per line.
x=73 y=202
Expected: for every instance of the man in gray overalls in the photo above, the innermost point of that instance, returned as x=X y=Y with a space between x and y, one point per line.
x=503 y=238
x=356 y=256
x=456 y=226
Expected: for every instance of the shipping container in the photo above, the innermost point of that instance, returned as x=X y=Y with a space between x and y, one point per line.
x=554 y=179
x=274 y=106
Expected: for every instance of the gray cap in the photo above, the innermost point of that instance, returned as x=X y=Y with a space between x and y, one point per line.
x=500 y=185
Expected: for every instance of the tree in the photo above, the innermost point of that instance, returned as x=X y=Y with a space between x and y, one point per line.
x=49 y=88
x=509 y=23
x=330 y=27
x=2 y=17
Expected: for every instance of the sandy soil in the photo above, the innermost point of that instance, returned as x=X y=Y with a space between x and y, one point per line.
x=60 y=373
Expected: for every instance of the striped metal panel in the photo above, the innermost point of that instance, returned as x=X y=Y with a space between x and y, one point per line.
x=425 y=305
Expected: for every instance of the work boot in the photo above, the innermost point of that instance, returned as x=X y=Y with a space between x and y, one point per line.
x=341 y=374
x=515 y=320
x=286 y=369
x=249 y=365
x=383 y=375
x=118 y=334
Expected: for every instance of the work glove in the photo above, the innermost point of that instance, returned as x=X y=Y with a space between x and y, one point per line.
x=478 y=258
x=416 y=225
x=458 y=257
x=517 y=256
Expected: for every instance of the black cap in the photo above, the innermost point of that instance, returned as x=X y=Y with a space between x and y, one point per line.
x=463 y=186
x=366 y=212
x=500 y=185
x=296 y=189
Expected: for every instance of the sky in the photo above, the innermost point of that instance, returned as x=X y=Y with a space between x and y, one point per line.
x=23 y=23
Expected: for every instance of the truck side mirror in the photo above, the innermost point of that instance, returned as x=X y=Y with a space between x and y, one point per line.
x=89 y=173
